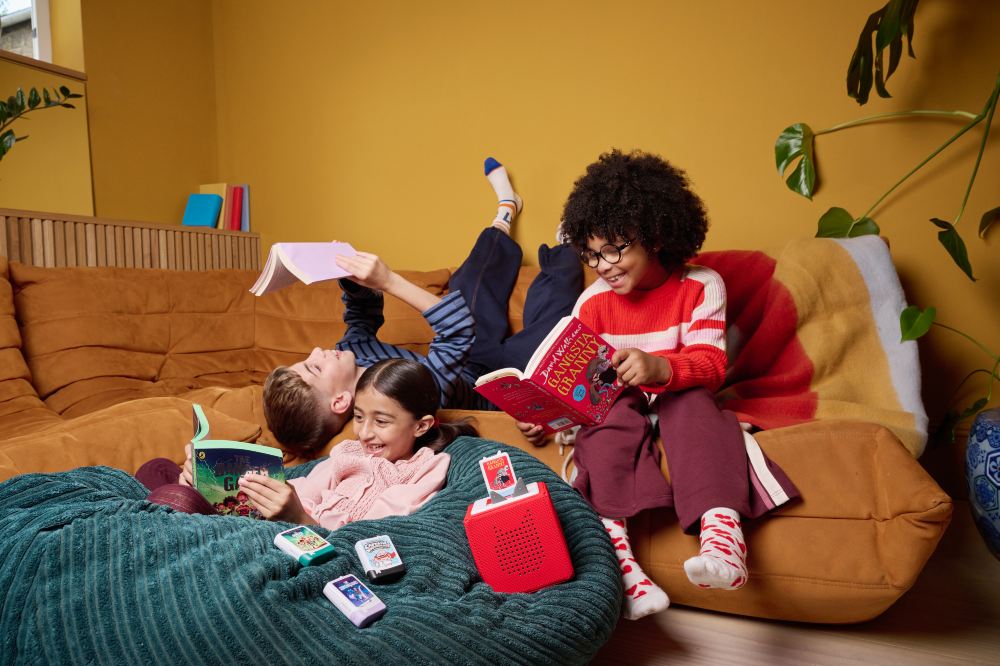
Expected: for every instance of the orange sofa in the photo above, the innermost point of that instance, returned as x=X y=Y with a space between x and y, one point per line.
x=99 y=366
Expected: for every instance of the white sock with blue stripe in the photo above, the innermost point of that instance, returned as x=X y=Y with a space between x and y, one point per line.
x=509 y=204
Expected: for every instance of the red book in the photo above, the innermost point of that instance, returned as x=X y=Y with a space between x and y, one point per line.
x=568 y=381
x=236 y=211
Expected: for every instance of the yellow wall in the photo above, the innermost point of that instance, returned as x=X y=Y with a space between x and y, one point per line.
x=369 y=122
x=50 y=170
x=67 y=34
x=152 y=112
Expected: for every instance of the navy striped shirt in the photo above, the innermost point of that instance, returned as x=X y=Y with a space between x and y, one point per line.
x=454 y=334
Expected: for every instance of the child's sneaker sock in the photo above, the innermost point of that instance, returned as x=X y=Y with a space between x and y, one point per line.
x=509 y=204
x=642 y=596
x=722 y=562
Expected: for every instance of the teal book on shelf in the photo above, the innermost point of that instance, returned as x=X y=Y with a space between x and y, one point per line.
x=245 y=220
x=202 y=210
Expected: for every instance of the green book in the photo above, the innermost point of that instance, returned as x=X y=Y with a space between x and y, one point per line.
x=217 y=466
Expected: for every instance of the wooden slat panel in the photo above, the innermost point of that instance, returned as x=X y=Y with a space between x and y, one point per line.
x=147 y=249
x=37 y=243
x=129 y=249
x=120 y=253
x=50 y=239
x=59 y=240
x=161 y=246
x=171 y=245
x=69 y=232
x=137 y=247
x=80 y=233
x=100 y=245
x=3 y=237
x=91 y=244
x=109 y=245
x=24 y=229
x=187 y=251
x=48 y=244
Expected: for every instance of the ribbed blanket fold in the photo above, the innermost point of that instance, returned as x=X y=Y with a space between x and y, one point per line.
x=92 y=573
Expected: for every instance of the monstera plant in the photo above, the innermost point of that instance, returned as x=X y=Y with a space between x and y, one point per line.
x=19 y=105
x=795 y=149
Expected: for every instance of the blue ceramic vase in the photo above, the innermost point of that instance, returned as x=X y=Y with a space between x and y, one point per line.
x=982 y=469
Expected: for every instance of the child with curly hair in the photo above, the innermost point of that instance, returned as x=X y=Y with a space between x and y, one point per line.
x=636 y=222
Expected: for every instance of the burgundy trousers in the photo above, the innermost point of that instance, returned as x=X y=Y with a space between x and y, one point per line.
x=618 y=462
x=160 y=476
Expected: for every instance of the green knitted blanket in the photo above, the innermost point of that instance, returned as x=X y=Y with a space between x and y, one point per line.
x=92 y=573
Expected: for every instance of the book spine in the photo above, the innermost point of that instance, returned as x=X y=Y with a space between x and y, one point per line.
x=236 y=214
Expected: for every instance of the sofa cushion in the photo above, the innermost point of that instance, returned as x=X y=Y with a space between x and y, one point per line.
x=20 y=407
x=124 y=436
x=868 y=520
x=97 y=336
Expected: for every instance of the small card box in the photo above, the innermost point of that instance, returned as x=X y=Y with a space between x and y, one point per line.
x=304 y=545
x=354 y=600
x=379 y=558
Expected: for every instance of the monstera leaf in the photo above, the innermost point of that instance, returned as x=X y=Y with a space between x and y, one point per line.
x=838 y=223
x=886 y=27
x=796 y=141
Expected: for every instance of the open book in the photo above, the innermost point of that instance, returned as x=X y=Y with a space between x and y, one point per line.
x=568 y=381
x=288 y=263
x=217 y=465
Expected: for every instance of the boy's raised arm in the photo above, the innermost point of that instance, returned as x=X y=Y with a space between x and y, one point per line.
x=370 y=271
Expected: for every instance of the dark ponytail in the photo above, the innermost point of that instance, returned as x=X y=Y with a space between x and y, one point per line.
x=413 y=387
x=442 y=434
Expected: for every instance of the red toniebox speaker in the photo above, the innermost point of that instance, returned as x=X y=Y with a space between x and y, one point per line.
x=517 y=542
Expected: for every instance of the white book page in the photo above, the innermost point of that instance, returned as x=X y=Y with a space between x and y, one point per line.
x=543 y=348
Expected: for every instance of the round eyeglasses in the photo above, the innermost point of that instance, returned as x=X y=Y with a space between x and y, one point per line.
x=609 y=252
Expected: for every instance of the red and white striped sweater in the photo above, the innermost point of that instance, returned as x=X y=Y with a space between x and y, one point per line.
x=683 y=320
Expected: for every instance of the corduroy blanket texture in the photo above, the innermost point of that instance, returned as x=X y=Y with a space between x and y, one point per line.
x=92 y=573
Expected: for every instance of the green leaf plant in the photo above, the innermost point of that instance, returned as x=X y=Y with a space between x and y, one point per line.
x=914 y=323
x=17 y=106
x=795 y=152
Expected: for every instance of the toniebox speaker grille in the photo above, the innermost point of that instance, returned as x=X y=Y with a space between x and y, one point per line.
x=519 y=550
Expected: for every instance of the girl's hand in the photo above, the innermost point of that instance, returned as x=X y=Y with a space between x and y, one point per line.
x=636 y=367
x=186 y=478
x=275 y=499
x=366 y=269
x=533 y=433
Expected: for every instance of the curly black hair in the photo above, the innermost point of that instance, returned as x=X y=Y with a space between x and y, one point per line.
x=636 y=196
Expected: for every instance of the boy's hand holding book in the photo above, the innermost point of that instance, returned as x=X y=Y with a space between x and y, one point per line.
x=637 y=368
x=367 y=270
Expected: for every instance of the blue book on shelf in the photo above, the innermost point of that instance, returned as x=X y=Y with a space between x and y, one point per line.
x=245 y=220
x=202 y=210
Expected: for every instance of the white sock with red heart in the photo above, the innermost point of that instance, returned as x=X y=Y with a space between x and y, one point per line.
x=508 y=203
x=642 y=596
x=722 y=562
